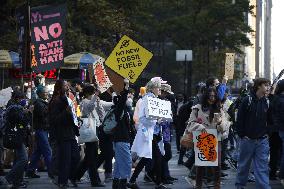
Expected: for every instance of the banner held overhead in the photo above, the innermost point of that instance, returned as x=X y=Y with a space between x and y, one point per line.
x=47 y=37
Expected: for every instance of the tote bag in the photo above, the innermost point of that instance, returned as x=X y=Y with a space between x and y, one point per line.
x=88 y=129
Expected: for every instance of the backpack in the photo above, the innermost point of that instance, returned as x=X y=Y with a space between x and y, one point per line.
x=14 y=131
x=110 y=122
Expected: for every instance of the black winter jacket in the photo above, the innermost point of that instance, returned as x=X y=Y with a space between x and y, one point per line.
x=122 y=130
x=252 y=117
x=278 y=112
x=40 y=117
x=60 y=120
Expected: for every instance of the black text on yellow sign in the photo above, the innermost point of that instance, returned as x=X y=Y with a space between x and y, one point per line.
x=128 y=59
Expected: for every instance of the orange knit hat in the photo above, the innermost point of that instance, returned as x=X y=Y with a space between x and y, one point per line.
x=142 y=91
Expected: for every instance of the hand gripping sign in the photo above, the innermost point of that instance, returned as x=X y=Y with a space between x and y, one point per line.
x=128 y=59
x=158 y=109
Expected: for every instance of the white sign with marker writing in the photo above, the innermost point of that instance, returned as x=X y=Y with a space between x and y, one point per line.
x=157 y=109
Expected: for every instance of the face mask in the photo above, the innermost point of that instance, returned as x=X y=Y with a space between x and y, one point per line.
x=24 y=103
x=129 y=102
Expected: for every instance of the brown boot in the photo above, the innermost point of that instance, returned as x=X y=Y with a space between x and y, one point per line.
x=199 y=177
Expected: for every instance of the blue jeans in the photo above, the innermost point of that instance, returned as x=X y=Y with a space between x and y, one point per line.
x=281 y=174
x=42 y=148
x=15 y=175
x=123 y=162
x=256 y=151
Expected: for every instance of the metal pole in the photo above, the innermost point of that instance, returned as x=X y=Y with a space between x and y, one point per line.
x=3 y=77
x=190 y=78
x=185 y=73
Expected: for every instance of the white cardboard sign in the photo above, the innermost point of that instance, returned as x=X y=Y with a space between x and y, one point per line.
x=206 y=148
x=157 y=109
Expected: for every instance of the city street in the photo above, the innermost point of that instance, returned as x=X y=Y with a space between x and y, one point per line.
x=176 y=170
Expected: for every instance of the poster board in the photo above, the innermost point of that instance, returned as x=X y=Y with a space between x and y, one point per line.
x=158 y=109
x=128 y=59
x=5 y=96
x=47 y=37
x=97 y=71
x=230 y=65
x=206 y=148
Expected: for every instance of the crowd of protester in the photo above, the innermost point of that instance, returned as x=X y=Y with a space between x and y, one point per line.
x=43 y=133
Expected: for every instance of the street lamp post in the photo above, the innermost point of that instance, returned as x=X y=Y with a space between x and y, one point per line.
x=186 y=56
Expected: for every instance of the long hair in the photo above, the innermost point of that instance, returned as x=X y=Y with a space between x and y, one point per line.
x=212 y=108
x=58 y=91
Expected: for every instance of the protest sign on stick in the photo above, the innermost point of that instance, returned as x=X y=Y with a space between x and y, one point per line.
x=206 y=148
x=98 y=72
x=128 y=59
x=158 y=109
x=229 y=65
x=47 y=37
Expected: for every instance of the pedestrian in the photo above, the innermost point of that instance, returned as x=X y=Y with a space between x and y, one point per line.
x=64 y=126
x=121 y=140
x=252 y=130
x=41 y=127
x=91 y=105
x=202 y=117
x=180 y=101
x=166 y=93
x=17 y=119
x=143 y=142
x=137 y=106
x=278 y=121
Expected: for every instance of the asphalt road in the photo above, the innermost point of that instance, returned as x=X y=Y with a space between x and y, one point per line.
x=177 y=171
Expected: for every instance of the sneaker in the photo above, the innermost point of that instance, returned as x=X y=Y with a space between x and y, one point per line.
x=148 y=178
x=161 y=186
x=31 y=174
x=251 y=177
x=172 y=178
x=63 y=186
x=132 y=185
x=74 y=184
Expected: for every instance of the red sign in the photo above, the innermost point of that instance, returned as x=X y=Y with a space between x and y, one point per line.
x=16 y=73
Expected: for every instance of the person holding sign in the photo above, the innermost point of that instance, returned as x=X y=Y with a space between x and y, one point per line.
x=208 y=115
x=121 y=140
x=142 y=144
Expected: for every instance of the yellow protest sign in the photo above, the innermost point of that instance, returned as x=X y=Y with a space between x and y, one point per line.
x=128 y=59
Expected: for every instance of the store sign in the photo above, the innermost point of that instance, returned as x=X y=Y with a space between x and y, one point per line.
x=16 y=73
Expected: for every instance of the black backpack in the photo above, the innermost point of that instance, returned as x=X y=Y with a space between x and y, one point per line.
x=14 y=134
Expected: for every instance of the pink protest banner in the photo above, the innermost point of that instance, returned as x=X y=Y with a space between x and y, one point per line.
x=47 y=37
